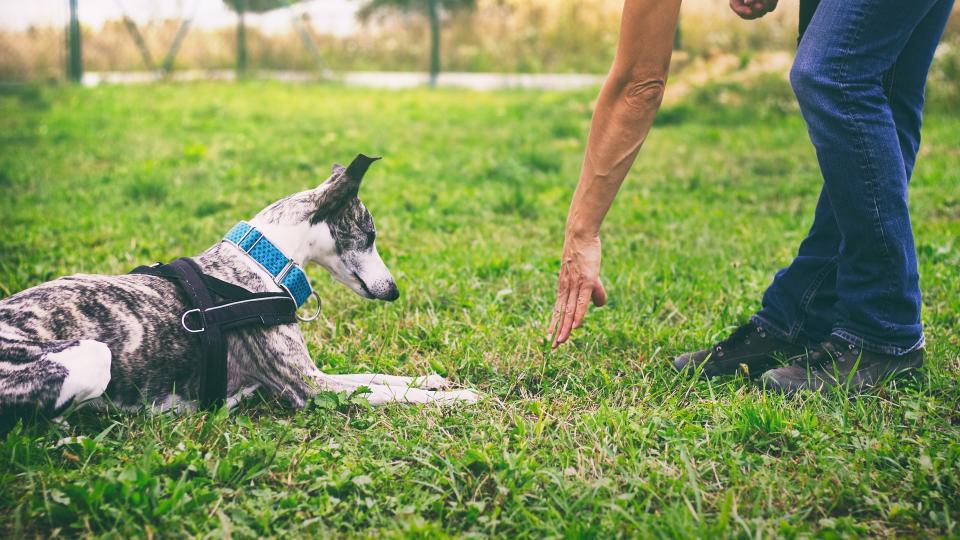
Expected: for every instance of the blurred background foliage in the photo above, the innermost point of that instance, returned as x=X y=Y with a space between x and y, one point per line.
x=512 y=36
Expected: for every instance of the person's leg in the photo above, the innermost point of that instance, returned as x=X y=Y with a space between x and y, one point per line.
x=800 y=301
x=803 y=303
x=856 y=359
x=906 y=81
x=838 y=76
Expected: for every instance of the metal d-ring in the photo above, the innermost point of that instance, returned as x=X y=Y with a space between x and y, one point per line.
x=183 y=321
x=316 y=313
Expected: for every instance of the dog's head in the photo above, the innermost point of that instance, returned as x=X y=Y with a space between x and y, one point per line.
x=329 y=225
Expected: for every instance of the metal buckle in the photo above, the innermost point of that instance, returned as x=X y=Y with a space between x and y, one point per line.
x=255 y=242
x=183 y=321
x=245 y=235
x=283 y=272
x=317 y=313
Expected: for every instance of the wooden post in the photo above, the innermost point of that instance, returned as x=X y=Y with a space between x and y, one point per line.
x=138 y=40
x=74 y=54
x=432 y=11
x=241 y=39
x=678 y=37
x=175 y=46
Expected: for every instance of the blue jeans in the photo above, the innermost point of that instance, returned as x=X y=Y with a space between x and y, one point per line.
x=859 y=76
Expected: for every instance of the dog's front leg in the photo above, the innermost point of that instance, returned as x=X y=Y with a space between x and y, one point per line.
x=427 y=382
x=285 y=368
x=379 y=394
x=382 y=394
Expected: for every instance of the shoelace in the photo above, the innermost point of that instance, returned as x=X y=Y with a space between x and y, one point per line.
x=741 y=334
x=833 y=350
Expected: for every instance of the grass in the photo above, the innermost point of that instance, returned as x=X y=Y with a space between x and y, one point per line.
x=598 y=439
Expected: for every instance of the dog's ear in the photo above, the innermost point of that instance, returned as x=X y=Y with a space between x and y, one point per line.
x=358 y=168
x=342 y=186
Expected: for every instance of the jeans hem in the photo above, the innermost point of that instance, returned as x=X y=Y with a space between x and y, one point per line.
x=873 y=346
x=772 y=328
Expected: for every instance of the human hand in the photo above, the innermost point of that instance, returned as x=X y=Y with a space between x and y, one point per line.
x=752 y=9
x=578 y=284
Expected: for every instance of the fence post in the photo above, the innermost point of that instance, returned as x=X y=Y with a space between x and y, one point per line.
x=432 y=8
x=241 y=39
x=74 y=54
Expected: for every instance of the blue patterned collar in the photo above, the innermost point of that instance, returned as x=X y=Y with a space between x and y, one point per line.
x=286 y=273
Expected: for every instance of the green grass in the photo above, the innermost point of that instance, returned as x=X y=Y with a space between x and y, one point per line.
x=599 y=439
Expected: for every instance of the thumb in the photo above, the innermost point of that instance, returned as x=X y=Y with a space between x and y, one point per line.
x=599 y=295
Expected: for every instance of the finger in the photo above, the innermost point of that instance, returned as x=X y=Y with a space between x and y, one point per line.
x=749 y=10
x=762 y=8
x=557 y=310
x=562 y=286
x=561 y=311
x=569 y=310
x=583 y=304
x=740 y=7
x=599 y=294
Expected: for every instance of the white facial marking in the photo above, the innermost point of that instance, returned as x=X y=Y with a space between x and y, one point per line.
x=374 y=273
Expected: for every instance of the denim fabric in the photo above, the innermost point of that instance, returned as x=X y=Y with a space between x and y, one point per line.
x=859 y=76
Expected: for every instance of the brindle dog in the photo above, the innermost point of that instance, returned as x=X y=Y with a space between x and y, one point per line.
x=120 y=339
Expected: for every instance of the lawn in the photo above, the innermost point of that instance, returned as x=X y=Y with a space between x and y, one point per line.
x=598 y=439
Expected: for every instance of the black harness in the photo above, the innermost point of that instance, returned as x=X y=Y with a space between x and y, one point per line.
x=218 y=306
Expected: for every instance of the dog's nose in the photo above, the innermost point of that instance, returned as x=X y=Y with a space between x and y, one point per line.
x=392 y=293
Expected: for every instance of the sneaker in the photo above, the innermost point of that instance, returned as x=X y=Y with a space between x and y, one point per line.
x=750 y=345
x=839 y=363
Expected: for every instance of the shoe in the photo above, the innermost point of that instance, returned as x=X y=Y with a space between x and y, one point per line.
x=839 y=363
x=750 y=345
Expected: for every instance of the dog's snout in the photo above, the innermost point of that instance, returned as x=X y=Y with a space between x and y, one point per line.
x=392 y=292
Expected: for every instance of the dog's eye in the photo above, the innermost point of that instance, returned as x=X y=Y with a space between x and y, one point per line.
x=371 y=236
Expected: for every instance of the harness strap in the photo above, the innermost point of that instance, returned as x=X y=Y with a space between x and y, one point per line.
x=242 y=308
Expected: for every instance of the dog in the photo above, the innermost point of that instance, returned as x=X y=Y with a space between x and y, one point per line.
x=124 y=340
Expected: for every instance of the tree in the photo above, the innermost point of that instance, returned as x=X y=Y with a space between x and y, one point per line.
x=431 y=8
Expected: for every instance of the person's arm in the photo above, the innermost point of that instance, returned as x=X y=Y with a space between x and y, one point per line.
x=624 y=112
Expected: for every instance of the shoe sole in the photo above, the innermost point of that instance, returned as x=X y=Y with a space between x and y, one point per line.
x=771 y=383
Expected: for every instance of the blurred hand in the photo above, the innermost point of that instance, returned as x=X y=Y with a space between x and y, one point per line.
x=752 y=9
x=579 y=284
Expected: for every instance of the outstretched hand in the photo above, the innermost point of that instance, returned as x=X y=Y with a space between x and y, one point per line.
x=579 y=283
x=752 y=9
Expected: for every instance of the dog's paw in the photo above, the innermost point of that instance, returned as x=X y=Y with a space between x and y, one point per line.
x=432 y=382
x=457 y=396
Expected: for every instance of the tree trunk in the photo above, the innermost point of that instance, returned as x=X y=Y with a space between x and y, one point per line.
x=74 y=56
x=433 y=12
x=241 y=39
